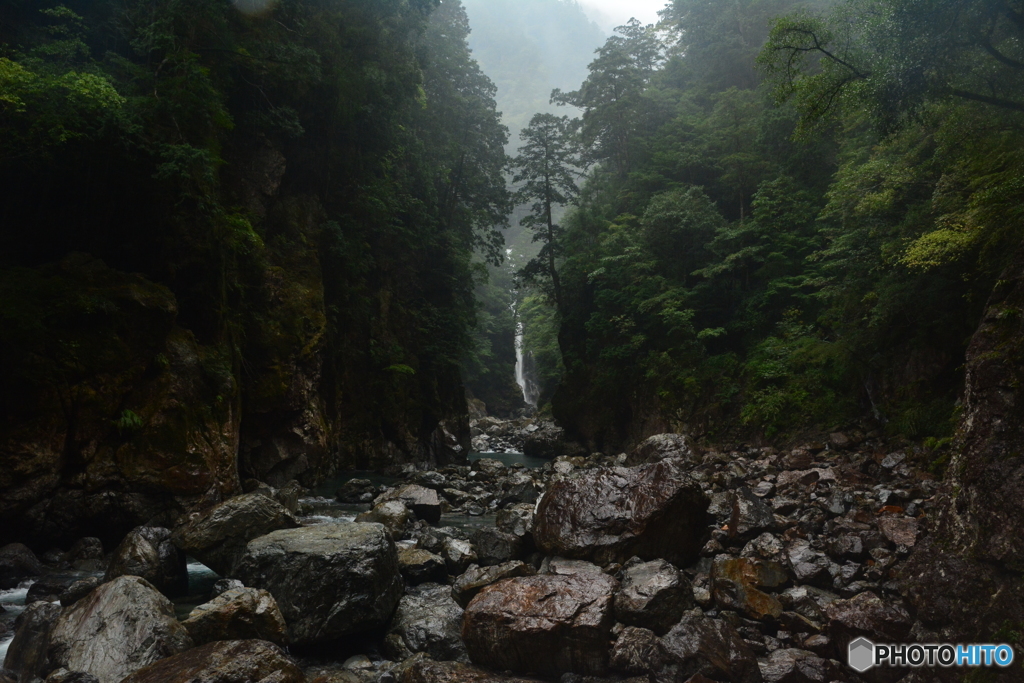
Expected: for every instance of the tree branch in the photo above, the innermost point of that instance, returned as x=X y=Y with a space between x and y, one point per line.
x=994 y=101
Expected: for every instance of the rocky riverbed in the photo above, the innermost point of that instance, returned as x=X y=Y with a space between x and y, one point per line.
x=666 y=564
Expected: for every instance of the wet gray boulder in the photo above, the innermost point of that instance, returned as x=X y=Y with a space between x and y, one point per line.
x=699 y=645
x=427 y=620
x=217 y=538
x=238 y=614
x=17 y=563
x=226 y=661
x=797 y=666
x=329 y=580
x=516 y=520
x=611 y=514
x=391 y=513
x=653 y=595
x=27 y=654
x=420 y=566
x=116 y=629
x=148 y=552
x=545 y=624
x=467 y=585
x=423 y=502
x=494 y=546
x=867 y=615
x=661 y=446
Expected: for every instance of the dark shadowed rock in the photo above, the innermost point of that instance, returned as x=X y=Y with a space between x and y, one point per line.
x=148 y=552
x=329 y=580
x=48 y=589
x=549 y=442
x=226 y=661
x=391 y=513
x=218 y=537
x=86 y=554
x=661 y=446
x=705 y=646
x=79 y=589
x=238 y=614
x=120 y=627
x=27 y=655
x=611 y=514
x=419 y=566
x=467 y=585
x=546 y=625
x=797 y=666
x=494 y=546
x=636 y=651
x=427 y=620
x=223 y=586
x=866 y=615
x=653 y=595
x=17 y=563
x=428 y=671
x=423 y=502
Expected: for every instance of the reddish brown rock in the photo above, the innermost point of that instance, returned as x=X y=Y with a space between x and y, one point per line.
x=899 y=530
x=544 y=625
x=225 y=661
x=654 y=595
x=611 y=514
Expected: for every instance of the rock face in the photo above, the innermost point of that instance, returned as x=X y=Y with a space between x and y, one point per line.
x=427 y=620
x=547 y=625
x=698 y=645
x=661 y=446
x=27 y=653
x=238 y=614
x=228 y=661
x=427 y=671
x=329 y=580
x=611 y=514
x=17 y=563
x=218 y=537
x=149 y=553
x=117 y=629
x=654 y=595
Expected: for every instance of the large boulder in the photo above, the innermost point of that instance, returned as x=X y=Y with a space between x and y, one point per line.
x=329 y=580
x=423 y=502
x=611 y=514
x=467 y=585
x=226 y=661
x=238 y=614
x=420 y=566
x=116 y=629
x=544 y=624
x=17 y=563
x=27 y=654
x=699 y=645
x=391 y=513
x=654 y=595
x=217 y=538
x=661 y=446
x=427 y=620
x=148 y=552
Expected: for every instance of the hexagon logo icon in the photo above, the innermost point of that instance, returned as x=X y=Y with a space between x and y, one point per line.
x=862 y=655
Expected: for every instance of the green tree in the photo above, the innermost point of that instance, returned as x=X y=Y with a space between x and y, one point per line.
x=546 y=172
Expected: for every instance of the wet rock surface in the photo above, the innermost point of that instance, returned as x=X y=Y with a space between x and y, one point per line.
x=148 y=552
x=611 y=514
x=238 y=614
x=230 y=661
x=546 y=625
x=118 y=628
x=427 y=620
x=329 y=581
x=217 y=538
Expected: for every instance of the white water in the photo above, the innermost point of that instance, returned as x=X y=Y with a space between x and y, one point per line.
x=13 y=602
x=528 y=394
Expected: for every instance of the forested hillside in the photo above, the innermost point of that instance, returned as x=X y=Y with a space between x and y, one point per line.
x=793 y=217
x=233 y=232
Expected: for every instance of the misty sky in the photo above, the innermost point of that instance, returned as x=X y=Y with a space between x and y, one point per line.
x=611 y=13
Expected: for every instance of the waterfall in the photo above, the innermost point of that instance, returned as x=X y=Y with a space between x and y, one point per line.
x=529 y=387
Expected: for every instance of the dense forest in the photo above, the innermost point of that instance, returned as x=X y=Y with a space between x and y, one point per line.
x=230 y=228
x=791 y=218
